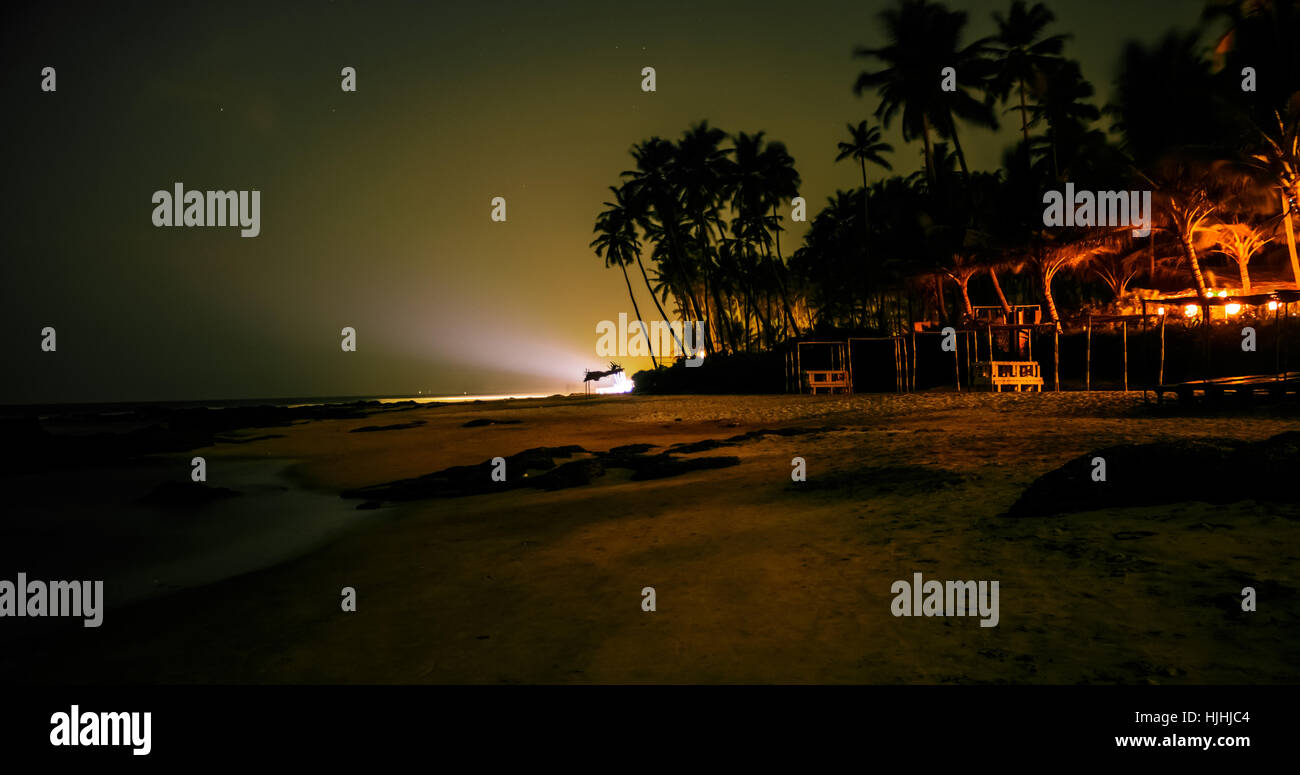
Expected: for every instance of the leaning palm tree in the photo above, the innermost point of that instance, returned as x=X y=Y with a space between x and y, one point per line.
x=1022 y=54
x=1280 y=161
x=962 y=268
x=923 y=39
x=616 y=241
x=1240 y=242
x=1053 y=251
x=1187 y=195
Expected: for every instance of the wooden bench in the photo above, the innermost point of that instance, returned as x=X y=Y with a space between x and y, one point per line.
x=1018 y=374
x=829 y=381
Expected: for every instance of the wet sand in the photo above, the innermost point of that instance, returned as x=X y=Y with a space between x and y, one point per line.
x=758 y=578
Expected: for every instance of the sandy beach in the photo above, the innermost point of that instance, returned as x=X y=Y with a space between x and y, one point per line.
x=758 y=578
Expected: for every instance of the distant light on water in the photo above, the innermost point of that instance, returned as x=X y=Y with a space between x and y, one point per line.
x=423 y=399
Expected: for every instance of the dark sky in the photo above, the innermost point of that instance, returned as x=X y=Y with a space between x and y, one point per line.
x=375 y=204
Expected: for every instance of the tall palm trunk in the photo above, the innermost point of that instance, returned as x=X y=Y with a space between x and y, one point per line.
x=956 y=145
x=622 y=265
x=929 y=150
x=1189 y=252
x=675 y=253
x=1047 y=295
x=1024 y=115
x=662 y=315
x=1002 y=297
x=780 y=283
x=1243 y=266
x=964 y=283
x=1290 y=237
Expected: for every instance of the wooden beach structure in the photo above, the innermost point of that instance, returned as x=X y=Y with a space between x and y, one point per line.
x=1224 y=306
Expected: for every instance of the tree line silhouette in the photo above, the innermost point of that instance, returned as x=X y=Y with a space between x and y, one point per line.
x=702 y=216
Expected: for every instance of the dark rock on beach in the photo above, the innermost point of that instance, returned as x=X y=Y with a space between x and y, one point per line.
x=1219 y=471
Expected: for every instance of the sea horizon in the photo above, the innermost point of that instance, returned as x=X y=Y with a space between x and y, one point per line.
x=289 y=401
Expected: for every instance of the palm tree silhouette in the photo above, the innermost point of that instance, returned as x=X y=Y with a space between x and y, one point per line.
x=780 y=185
x=1022 y=54
x=923 y=39
x=616 y=241
x=653 y=187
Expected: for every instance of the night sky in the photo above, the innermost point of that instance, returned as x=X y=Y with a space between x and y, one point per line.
x=375 y=204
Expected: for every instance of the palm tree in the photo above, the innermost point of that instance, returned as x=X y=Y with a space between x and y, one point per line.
x=616 y=241
x=631 y=205
x=1280 y=160
x=1117 y=269
x=961 y=270
x=1022 y=54
x=865 y=146
x=1240 y=242
x=923 y=39
x=653 y=187
x=702 y=166
x=1188 y=194
x=1061 y=102
x=780 y=184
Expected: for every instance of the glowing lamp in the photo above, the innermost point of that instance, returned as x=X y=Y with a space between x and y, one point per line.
x=1190 y=310
x=1160 y=311
x=1232 y=309
x=1222 y=294
x=1272 y=305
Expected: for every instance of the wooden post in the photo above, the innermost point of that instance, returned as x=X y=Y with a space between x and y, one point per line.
x=972 y=344
x=956 y=362
x=900 y=358
x=1087 y=373
x=1146 y=347
x=913 y=369
x=1277 y=345
x=848 y=365
x=1056 y=357
x=1160 y=376
x=1123 y=333
x=798 y=367
x=991 y=358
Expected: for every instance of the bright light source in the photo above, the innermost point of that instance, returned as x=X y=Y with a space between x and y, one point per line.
x=1272 y=305
x=1232 y=309
x=1190 y=310
x=621 y=385
x=1160 y=311
x=1222 y=294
